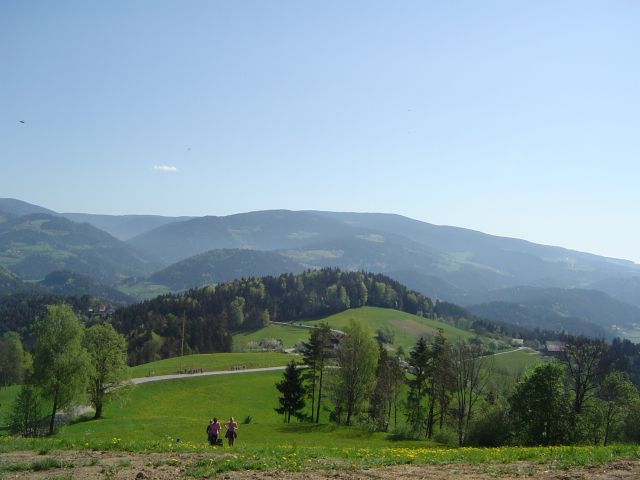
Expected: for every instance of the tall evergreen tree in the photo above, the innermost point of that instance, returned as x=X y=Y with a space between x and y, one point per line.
x=316 y=353
x=293 y=393
x=419 y=361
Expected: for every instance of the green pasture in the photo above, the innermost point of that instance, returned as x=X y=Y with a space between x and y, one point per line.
x=210 y=362
x=7 y=396
x=161 y=412
x=408 y=328
x=516 y=362
x=143 y=290
x=288 y=335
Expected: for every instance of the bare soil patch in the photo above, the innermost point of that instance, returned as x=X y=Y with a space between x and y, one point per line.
x=154 y=466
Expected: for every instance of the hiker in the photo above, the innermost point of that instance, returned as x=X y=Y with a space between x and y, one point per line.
x=232 y=433
x=212 y=431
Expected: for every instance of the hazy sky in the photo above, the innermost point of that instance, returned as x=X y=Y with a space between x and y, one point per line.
x=513 y=118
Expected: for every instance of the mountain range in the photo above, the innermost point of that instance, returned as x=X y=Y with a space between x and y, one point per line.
x=488 y=274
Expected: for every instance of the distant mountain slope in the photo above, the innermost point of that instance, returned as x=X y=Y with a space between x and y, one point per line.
x=518 y=262
x=430 y=285
x=537 y=316
x=69 y=284
x=466 y=259
x=623 y=289
x=219 y=266
x=10 y=284
x=589 y=305
x=19 y=208
x=266 y=230
x=34 y=245
x=124 y=227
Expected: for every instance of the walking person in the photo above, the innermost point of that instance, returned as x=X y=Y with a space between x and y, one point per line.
x=209 y=434
x=214 y=429
x=232 y=432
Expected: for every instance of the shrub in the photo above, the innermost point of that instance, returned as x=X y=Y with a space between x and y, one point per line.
x=27 y=412
x=492 y=429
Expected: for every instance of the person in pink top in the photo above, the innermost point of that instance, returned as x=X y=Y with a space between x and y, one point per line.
x=232 y=433
x=212 y=431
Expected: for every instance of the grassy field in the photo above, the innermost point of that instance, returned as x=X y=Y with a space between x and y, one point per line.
x=288 y=335
x=407 y=327
x=516 y=362
x=210 y=362
x=7 y=396
x=160 y=412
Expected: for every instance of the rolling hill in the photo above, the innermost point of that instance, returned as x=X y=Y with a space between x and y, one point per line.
x=34 y=245
x=10 y=283
x=465 y=259
x=406 y=328
x=577 y=309
x=69 y=284
x=123 y=227
x=447 y=263
x=224 y=265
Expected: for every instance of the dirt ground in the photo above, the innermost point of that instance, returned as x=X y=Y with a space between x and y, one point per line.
x=115 y=466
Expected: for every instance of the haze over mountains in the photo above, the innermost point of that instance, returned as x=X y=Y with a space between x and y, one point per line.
x=502 y=278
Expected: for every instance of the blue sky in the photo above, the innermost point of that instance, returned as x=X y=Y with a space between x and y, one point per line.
x=513 y=118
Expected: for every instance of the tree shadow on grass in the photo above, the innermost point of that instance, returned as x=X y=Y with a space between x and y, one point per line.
x=324 y=428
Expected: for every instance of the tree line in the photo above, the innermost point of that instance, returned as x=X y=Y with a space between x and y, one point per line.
x=154 y=328
x=449 y=391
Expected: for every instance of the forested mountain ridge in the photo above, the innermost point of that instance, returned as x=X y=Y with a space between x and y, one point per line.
x=33 y=245
x=123 y=227
x=153 y=327
x=446 y=263
x=10 y=283
x=70 y=284
x=592 y=306
x=466 y=259
x=217 y=266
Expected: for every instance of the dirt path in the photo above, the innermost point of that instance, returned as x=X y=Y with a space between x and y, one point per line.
x=155 y=466
x=159 y=378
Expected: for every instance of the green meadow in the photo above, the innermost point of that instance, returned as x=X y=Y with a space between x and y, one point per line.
x=407 y=328
x=161 y=412
x=210 y=362
x=517 y=362
x=288 y=335
x=7 y=396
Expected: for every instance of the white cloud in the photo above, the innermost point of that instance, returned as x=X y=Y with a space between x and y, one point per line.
x=165 y=168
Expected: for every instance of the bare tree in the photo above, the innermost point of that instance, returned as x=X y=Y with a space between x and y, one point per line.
x=471 y=372
x=582 y=359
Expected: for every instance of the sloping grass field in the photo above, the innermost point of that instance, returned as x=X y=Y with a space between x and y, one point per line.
x=161 y=412
x=211 y=362
x=517 y=362
x=288 y=335
x=406 y=327
x=157 y=414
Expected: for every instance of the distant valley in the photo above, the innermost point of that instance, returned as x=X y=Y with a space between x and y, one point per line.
x=499 y=278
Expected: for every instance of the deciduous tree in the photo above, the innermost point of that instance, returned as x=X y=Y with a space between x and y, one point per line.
x=108 y=358
x=60 y=364
x=357 y=357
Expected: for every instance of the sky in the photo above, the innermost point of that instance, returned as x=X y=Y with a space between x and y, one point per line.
x=513 y=118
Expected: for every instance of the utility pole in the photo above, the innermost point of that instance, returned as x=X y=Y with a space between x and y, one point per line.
x=182 y=340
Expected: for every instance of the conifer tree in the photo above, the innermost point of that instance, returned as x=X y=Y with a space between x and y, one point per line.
x=293 y=392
